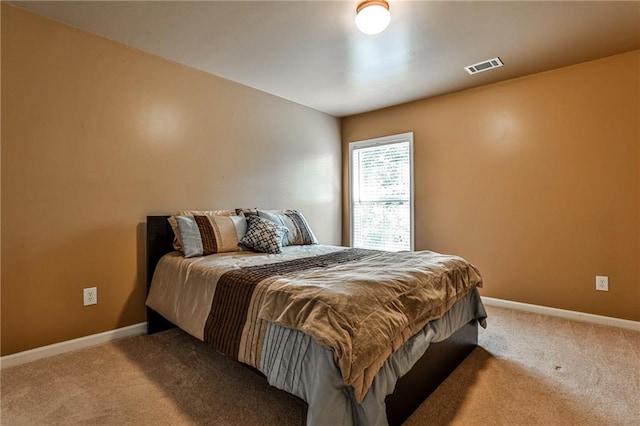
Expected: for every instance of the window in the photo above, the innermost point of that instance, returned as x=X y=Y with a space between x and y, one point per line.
x=381 y=190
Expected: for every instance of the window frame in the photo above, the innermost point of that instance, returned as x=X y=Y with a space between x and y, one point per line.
x=384 y=140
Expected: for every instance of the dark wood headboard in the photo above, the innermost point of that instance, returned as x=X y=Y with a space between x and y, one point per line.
x=159 y=243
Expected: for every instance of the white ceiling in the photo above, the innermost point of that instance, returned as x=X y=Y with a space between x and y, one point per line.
x=311 y=53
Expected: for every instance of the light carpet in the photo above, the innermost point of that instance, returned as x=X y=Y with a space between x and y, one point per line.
x=529 y=369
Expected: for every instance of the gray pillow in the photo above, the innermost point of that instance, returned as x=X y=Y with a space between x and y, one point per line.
x=298 y=230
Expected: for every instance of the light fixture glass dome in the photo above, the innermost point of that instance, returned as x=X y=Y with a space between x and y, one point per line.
x=372 y=16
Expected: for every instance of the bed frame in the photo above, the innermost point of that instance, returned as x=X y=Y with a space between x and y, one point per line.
x=411 y=390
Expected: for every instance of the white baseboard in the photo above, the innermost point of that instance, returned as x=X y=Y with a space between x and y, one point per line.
x=71 y=345
x=108 y=336
x=563 y=313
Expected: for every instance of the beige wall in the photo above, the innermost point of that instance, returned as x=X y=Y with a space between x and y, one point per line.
x=535 y=180
x=96 y=135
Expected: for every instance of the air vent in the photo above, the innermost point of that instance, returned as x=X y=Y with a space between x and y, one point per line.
x=484 y=65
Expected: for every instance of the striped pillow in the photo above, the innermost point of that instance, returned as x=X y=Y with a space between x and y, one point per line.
x=177 y=239
x=204 y=235
x=299 y=233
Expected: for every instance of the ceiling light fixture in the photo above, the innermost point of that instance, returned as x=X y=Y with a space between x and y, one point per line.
x=372 y=16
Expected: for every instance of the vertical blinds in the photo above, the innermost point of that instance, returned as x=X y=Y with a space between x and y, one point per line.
x=381 y=191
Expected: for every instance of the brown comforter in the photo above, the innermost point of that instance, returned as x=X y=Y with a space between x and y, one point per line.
x=362 y=304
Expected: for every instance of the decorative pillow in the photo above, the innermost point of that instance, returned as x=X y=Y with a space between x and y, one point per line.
x=203 y=235
x=263 y=235
x=177 y=238
x=299 y=233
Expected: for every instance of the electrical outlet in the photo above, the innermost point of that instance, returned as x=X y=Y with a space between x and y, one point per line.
x=90 y=296
x=602 y=283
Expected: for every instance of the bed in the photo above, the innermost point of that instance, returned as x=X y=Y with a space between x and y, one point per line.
x=295 y=357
